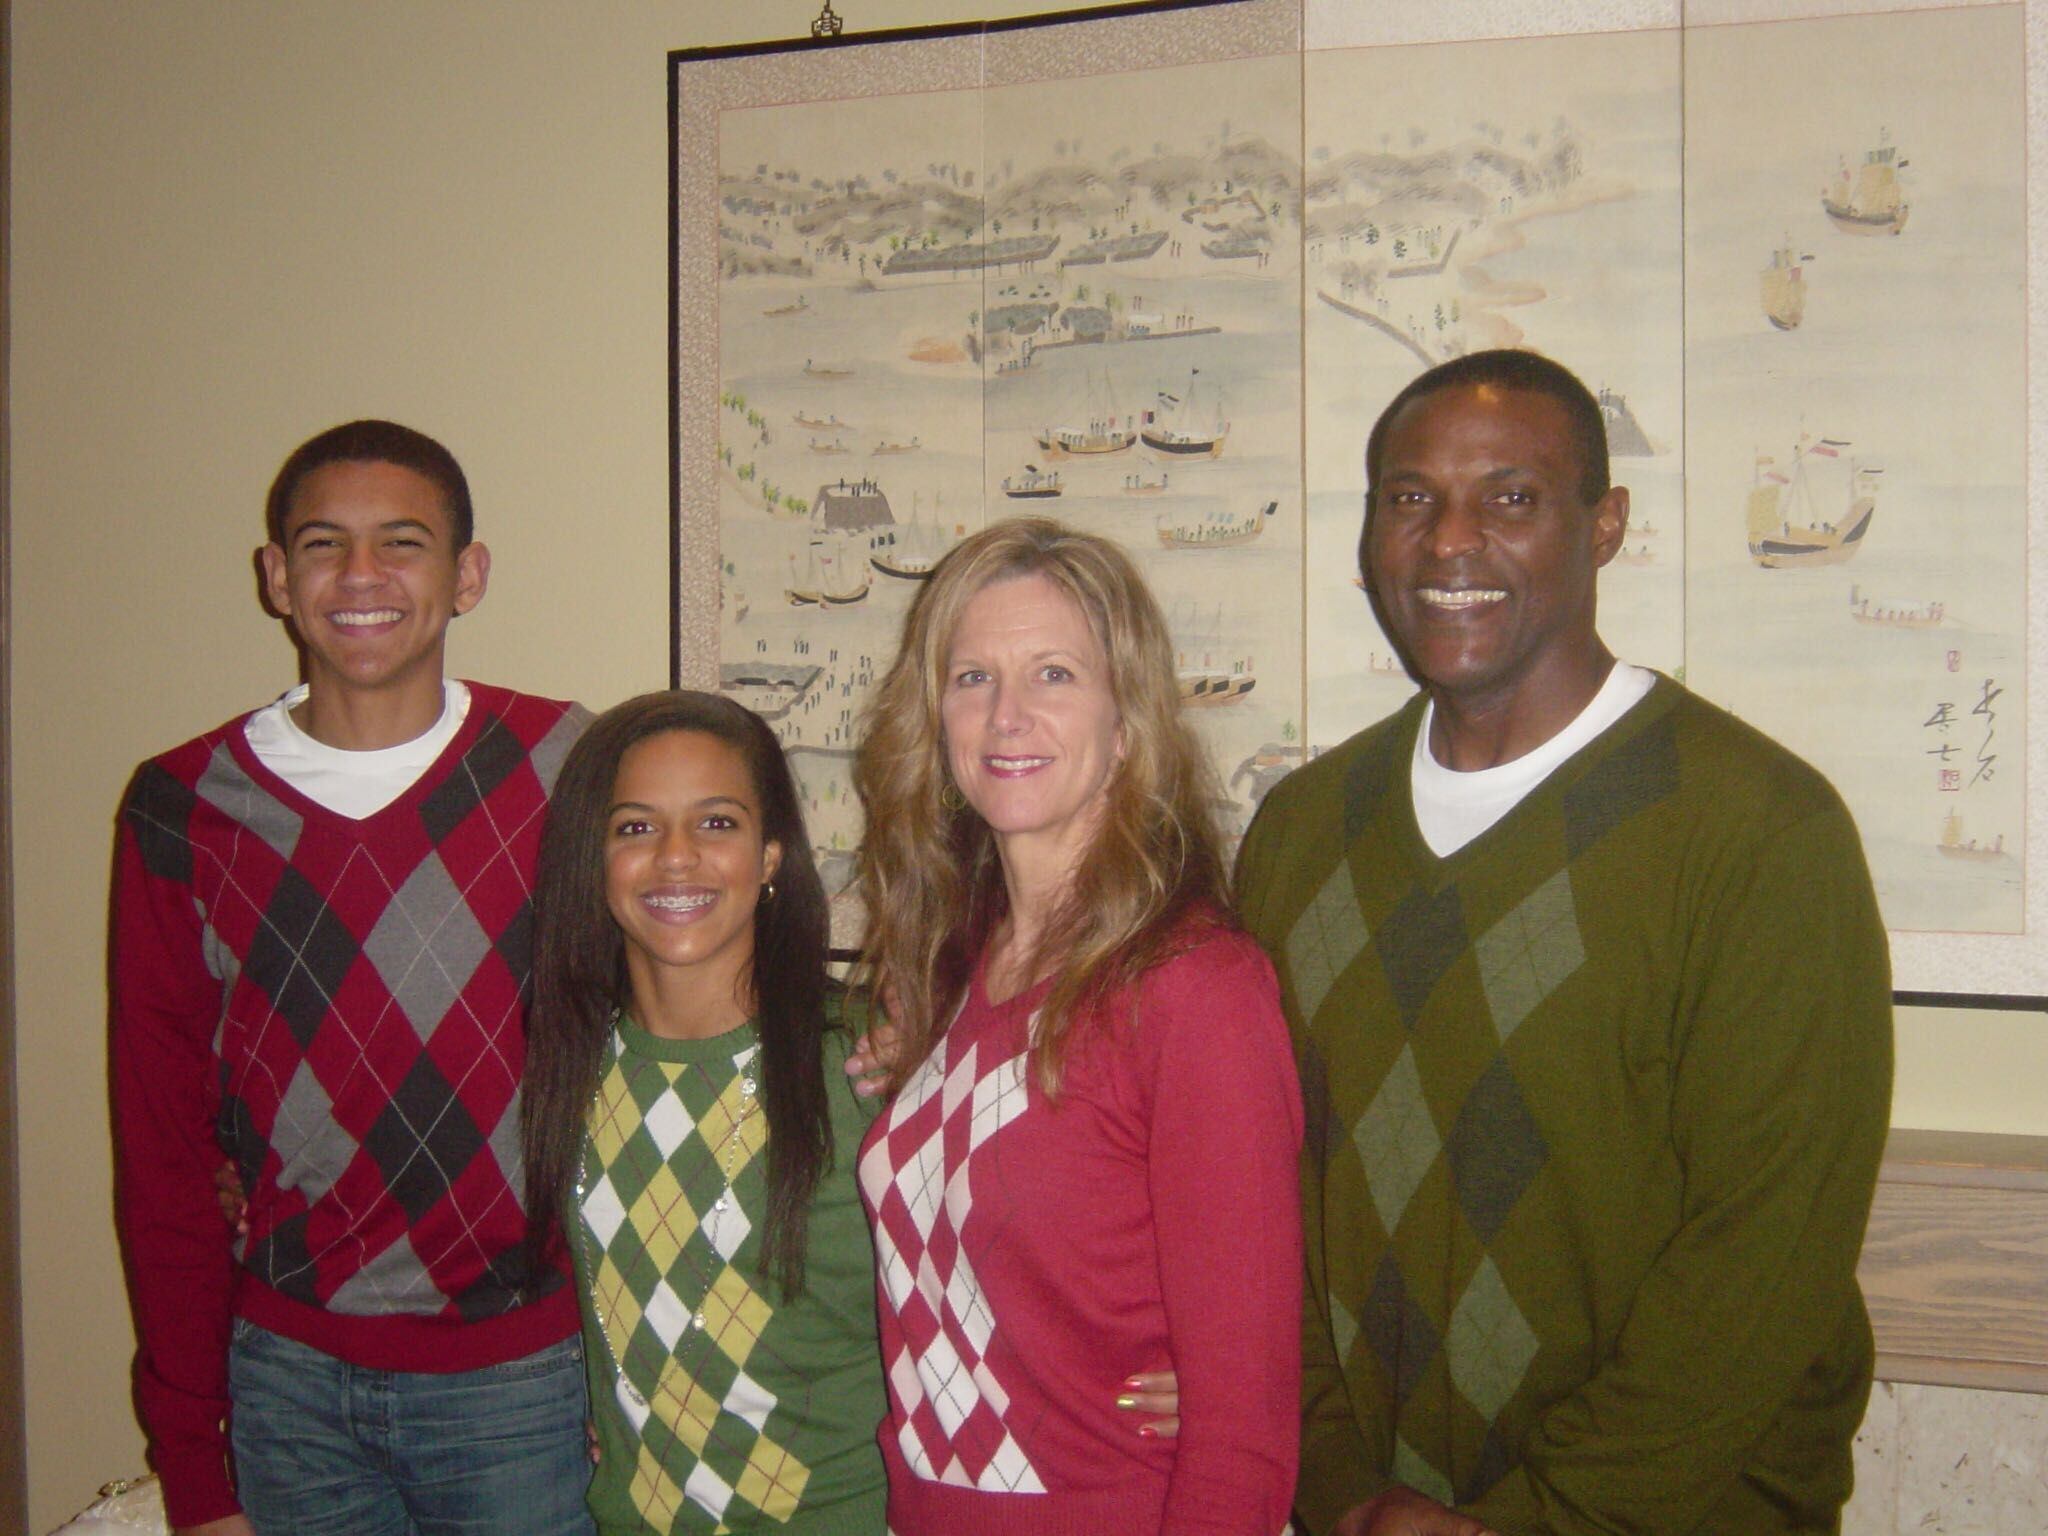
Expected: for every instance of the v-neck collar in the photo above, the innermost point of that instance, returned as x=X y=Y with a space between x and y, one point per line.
x=431 y=777
x=1663 y=694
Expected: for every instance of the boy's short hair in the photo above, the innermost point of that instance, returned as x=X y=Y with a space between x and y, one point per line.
x=373 y=442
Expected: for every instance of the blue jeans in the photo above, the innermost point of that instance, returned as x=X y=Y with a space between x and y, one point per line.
x=325 y=1448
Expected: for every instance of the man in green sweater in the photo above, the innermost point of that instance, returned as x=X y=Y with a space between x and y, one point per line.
x=1593 y=1010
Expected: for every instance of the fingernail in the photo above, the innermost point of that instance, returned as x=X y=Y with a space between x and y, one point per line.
x=1135 y=1383
x=1126 y=1400
x=1147 y=1432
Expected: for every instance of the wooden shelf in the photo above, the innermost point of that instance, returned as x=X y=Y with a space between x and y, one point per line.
x=1955 y=1264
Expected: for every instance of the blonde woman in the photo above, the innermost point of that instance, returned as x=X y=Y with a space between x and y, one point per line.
x=1089 y=1162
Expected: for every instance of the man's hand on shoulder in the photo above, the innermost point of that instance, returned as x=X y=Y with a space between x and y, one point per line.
x=1401 y=1511
x=874 y=1053
x=227 y=1525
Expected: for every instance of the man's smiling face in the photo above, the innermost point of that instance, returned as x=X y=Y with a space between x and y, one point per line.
x=369 y=576
x=1481 y=548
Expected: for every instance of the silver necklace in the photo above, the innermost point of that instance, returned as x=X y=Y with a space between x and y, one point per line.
x=631 y=1399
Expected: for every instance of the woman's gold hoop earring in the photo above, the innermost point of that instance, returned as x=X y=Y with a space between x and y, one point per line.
x=951 y=798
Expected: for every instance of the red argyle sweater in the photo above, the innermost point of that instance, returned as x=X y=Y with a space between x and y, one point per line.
x=337 y=1005
x=1034 y=1253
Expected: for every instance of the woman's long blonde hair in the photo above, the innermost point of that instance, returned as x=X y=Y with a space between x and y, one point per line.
x=930 y=875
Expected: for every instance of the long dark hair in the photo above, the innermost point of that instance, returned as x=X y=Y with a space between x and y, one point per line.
x=579 y=972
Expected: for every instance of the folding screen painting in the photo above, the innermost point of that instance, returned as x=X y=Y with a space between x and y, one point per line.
x=1071 y=289
x=1155 y=272
x=1509 y=193
x=1856 y=400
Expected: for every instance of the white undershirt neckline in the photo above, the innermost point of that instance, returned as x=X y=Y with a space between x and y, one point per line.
x=1453 y=808
x=351 y=784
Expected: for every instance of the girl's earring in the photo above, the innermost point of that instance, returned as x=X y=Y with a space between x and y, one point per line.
x=951 y=798
x=767 y=890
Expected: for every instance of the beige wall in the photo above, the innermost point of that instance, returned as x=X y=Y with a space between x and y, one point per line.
x=236 y=221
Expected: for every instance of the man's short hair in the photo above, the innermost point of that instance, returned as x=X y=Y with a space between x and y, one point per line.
x=374 y=442
x=1509 y=368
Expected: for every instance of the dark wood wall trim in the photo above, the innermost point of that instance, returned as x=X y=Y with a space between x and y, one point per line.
x=13 y=1436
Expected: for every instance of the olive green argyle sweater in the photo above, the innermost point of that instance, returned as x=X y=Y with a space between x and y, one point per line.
x=721 y=1405
x=1595 y=1107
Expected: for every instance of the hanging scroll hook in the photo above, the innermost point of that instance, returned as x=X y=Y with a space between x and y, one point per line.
x=828 y=23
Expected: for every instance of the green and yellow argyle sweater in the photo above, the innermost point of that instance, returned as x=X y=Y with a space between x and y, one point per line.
x=1595 y=1107
x=719 y=1405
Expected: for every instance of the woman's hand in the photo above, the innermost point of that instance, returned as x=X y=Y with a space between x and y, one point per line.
x=1153 y=1397
x=1401 y=1511
x=227 y=1525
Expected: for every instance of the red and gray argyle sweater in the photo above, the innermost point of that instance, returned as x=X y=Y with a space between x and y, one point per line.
x=336 y=1005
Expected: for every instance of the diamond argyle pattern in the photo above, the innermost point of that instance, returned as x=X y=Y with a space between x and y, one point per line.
x=673 y=1161
x=1641 y=773
x=371 y=976
x=917 y=1176
x=1541 y=1144
x=426 y=945
x=1446 y=1145
x=1490 y=1343
x=300 y=955
x=159 y=807
x=1523 y=957
x=1495 y=1149
x=1329 y=936
x=1414 y=1470
x=1420 y=940
x=1397 y=1141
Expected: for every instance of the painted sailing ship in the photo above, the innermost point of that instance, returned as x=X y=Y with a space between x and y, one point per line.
x=1185 y=434
x=1106 y=431
x=826 y=582
x=1213 y=532
x=1786 y=526
x=1034 y=484
x=841 y=585
x=770 y=689
x=1954 y=846
x=1207 y=675
x=1783 y=287
x=909 y=553
x=1873 y=203
x=1625 y=436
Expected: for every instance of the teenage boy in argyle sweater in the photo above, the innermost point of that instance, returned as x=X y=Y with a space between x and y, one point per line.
x=1592 y=1006
x=322 y=917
